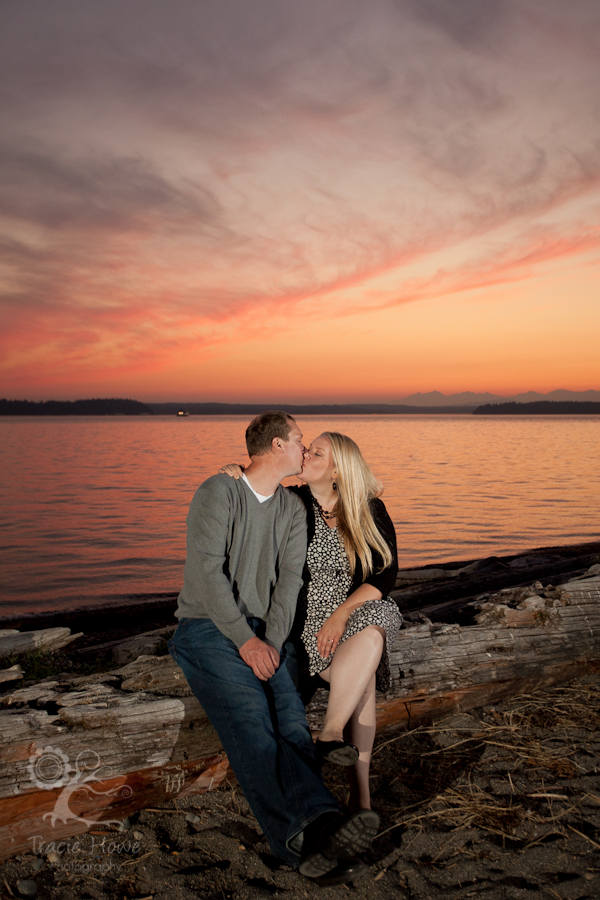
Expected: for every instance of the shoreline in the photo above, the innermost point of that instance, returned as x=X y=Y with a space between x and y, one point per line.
x=449 y=585
x=484 y=771
x=498 y=799
x=500 y=803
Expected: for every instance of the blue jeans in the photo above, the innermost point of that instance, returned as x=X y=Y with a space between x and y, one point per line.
x=262 y=726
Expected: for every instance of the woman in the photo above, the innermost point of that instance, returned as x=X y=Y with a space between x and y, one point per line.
x=349 y=622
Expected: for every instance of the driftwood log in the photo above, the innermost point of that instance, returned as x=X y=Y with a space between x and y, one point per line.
x=79 y=753
x=13 y=642
x=14 y=673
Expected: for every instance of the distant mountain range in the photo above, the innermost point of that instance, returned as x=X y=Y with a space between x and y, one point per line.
x=433 y=402
x=468 y=398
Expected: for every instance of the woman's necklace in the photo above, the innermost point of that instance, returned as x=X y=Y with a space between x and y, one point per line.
x=326 y=514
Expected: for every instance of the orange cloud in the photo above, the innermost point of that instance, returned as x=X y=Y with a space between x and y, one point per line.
x=169 y=207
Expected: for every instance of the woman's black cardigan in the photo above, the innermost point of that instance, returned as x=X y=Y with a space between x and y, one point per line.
x=383 y=581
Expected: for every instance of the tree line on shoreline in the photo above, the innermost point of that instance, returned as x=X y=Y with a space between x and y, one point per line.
x=95 y=407
x=125 y=407
x=539 y=407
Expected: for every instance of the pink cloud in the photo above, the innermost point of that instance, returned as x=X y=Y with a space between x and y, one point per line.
x=193 y=178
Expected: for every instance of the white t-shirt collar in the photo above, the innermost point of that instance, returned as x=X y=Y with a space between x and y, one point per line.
x=260 y=497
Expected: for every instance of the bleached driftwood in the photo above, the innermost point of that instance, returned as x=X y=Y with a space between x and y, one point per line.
x=85 y=750
x=13 y=642
x=13 y=674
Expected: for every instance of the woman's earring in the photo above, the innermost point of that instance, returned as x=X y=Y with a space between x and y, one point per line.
x=334 y=486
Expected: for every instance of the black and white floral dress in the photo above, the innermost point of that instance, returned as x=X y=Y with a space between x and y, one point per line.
x=328 y=587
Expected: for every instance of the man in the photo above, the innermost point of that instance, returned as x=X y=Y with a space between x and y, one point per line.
x=246 y=548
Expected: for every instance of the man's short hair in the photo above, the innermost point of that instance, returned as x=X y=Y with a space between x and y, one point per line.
x=263 y=428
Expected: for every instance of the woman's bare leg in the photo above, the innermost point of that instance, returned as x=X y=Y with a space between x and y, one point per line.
x=351 y=709
x=353 y=665
x=360 y=731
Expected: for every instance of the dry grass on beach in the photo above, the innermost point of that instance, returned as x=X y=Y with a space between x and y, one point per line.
x=502 y=803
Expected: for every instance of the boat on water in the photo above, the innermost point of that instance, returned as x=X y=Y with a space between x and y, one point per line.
x=84 y=752
x=182 y=413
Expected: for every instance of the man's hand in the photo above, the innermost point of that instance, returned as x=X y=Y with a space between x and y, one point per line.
x=262 y=658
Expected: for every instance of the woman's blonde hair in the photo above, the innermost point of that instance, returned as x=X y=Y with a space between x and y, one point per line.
x=356 y=486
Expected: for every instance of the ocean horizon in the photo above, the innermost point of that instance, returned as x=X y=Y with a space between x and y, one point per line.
x=94 y=508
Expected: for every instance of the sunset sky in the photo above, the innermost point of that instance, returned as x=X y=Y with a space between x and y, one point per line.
x=273 y=200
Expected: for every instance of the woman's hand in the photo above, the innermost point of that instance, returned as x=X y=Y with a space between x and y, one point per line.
x=232 y=469
x=331 y=631
x=333 y=628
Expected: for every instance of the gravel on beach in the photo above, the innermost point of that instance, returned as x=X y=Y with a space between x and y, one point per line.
x=501 y=803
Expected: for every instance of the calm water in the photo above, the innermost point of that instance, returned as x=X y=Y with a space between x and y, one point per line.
x=93 y=509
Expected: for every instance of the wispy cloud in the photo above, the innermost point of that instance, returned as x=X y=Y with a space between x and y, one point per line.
x=177 y=172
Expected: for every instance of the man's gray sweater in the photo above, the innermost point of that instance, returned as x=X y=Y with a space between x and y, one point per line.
x=244 y=558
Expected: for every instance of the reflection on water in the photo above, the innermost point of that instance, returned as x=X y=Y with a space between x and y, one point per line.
x=94 y=508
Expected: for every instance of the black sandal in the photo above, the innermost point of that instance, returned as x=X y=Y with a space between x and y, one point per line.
x=342 y=753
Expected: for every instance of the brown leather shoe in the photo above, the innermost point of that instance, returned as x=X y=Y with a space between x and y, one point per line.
x=345 y=871
x=354 y=835
x=335 y=839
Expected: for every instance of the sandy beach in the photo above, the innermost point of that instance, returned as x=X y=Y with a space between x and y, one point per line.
x=499 y=804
